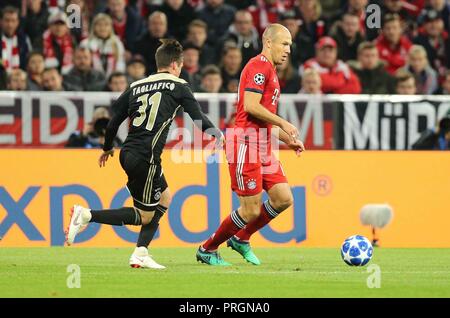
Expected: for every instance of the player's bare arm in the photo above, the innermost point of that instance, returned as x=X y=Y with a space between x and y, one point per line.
x=253 y=107
x=296 y=145
x=192 y=107
x=203 y=122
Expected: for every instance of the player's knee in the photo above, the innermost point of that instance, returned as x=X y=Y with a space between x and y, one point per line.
x=166 y=199
x=251 y=213
x=146 y=217
x=284 y=202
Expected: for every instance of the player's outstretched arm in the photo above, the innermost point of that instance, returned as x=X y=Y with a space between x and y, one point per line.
x=253 y=107
x=192 y=107
x=120 y=113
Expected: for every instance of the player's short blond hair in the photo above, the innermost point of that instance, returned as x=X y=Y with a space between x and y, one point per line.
x=272 y=30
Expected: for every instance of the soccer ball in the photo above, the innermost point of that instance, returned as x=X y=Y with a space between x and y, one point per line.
x=356 y=250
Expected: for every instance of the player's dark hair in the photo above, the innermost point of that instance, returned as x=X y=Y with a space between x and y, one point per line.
x=170 y=51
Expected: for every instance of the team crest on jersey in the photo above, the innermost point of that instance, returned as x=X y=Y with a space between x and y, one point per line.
x=259 y=79
x=157 y=195
x=251 y=184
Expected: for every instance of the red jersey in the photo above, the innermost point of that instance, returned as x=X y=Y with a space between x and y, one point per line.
x=251 y=163
x=259 y=76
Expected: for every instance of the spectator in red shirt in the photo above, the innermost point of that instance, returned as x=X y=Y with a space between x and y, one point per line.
x=58 y=44
x=337 y=77
x=127 y=22
x=15 y=44
x=265 y=12
x=108 y=53
x=392 y=45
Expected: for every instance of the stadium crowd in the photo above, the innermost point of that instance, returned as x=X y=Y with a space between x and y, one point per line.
x=337 y=45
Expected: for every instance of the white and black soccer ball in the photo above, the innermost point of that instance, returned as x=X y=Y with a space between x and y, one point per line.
x=356 y=250
x=259 y=79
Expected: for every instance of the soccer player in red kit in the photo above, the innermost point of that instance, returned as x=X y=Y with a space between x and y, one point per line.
x=252 y=165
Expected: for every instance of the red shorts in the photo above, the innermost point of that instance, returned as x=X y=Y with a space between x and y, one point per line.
x=250 y=173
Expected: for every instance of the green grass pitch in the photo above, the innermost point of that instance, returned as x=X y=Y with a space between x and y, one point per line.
x=285 y=272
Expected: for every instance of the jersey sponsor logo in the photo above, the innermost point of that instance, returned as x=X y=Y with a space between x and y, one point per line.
x=259 y=79
x=251 y=184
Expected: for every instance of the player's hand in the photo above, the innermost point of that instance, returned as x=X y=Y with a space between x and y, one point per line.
x=220 y=142
x=297 y=146
x=291 y=130
x=104 y=157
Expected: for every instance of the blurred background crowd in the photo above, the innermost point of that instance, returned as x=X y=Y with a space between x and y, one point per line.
x=339 y=46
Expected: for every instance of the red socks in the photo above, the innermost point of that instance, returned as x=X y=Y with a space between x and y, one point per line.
x=268 y=213
x=235 y=225
x=230 y=226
